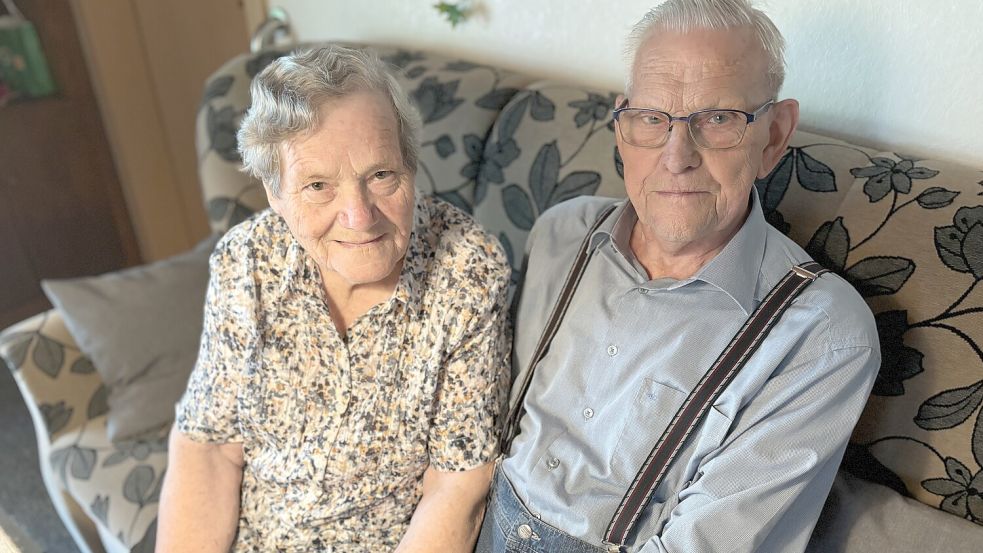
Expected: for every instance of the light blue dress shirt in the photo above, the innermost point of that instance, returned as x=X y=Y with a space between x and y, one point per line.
x=755 y=476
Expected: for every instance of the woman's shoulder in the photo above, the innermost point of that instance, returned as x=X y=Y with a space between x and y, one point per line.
x=457 y=238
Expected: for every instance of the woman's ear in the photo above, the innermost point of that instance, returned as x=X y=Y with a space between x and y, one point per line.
x=784 y=119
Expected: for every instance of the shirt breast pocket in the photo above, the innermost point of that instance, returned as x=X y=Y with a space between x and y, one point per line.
x=654 y=407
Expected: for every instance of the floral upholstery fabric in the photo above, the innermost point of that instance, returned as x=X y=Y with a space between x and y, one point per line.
x=552 y=142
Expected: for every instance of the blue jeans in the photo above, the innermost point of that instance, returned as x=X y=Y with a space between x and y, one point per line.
x=510 y=527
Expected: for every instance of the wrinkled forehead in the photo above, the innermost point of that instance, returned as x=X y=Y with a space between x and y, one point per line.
x=729 y=60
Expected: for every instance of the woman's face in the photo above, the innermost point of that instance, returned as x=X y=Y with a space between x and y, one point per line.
x=345 y=192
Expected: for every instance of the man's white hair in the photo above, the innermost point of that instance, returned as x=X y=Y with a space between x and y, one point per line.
x=683 y=16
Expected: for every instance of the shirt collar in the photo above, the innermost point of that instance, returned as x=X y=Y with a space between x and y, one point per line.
x=617 y=229
x=734 y=270
x=301 y=269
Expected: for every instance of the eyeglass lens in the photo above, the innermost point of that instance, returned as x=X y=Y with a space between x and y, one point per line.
x=709 y=129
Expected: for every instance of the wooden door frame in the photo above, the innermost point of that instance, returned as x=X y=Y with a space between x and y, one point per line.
x=123 y=80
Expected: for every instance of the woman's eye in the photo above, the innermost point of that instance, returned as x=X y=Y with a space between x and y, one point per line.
x=316 y=186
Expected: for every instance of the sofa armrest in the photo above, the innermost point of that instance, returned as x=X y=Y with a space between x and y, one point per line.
x=60 y=385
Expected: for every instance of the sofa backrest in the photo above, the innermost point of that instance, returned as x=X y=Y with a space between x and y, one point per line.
x=907 y=233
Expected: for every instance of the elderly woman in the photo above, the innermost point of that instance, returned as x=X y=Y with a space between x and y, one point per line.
x=354 y=361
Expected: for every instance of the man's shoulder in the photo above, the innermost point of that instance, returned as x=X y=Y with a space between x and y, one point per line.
x=848 y=318
x=461 y=245
x=568 y=222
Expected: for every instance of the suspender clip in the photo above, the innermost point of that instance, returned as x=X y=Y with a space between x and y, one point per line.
x=804 y=273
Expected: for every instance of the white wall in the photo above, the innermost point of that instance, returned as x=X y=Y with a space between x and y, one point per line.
x=900 y=75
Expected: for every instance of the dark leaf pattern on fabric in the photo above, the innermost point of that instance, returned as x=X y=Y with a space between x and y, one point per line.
x=56 y=416
x=220 y=208
x=445 y=146
x=960 y=246
x=772 y=188
x=496 y=99
x=261 y=60
x=949 y=408
x=20 y=343
x=139 y=450
x=936 y=198
x=507 y=246
x=415 y=72
x=138 y=486
x=436 y=100
x=454 y=198
x=813 y=174
x=830 y=245
x=98 y=403
x=402 y=58
x=542 y=108
x=544 y=174
x=81 y=462
x=83 y=365
x=48 y=355
x=885 y=174
x=509 y=121
x=777 y=220
x=461 y=66
x=978 y=440
x=878 y=276
x=860 y=462
x=518 y=207
x=594 y=108
x=219 y=86
x=962 y=491
x=899 y=362
x=497 y=156
x=222 y=126
x=147 y=543
x=100 y=508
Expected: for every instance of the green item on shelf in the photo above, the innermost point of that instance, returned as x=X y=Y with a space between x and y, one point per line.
x=23 y=67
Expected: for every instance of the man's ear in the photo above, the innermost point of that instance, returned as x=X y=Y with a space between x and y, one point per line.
x=784 y=119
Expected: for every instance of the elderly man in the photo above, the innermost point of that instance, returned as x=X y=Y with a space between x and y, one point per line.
x=354 y=361
x=654 y=420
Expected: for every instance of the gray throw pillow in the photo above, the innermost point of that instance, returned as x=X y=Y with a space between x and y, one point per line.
x=141 y=328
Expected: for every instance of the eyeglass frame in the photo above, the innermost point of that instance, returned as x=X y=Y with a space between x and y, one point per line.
x=751 y=117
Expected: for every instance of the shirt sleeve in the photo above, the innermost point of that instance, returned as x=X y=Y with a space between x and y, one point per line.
x=764 y=488
x=208 y=412
x=474 y=382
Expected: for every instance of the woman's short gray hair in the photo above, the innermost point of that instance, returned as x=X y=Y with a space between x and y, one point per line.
x=288 y=93
x=682 y=16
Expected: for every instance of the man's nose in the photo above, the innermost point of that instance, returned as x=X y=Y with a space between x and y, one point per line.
x=356 y=211
x=680 y=152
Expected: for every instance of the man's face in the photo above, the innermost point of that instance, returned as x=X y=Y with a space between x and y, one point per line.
x=687 y=198
x=345 y=193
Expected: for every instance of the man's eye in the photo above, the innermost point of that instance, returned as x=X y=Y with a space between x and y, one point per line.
x=381 y=175
x=316 y=186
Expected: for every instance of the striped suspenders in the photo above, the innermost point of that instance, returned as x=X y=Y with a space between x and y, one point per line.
x=694 y=409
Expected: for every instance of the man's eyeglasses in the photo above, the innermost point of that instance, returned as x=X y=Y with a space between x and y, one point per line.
x=711 y=129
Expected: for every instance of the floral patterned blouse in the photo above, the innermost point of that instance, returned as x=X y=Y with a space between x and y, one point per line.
x=337 y=433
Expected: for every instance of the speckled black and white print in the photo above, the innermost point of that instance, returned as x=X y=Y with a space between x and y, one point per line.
x=337 y=433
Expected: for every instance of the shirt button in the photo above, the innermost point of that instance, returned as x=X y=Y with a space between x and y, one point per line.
x=552 y=463
x=588 y=413
x=612 y=350
x=524 y=531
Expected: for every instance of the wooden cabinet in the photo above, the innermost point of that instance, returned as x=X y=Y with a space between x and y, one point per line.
x=62 y=211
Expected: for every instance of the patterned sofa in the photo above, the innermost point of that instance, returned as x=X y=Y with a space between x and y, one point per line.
x=907 y=232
